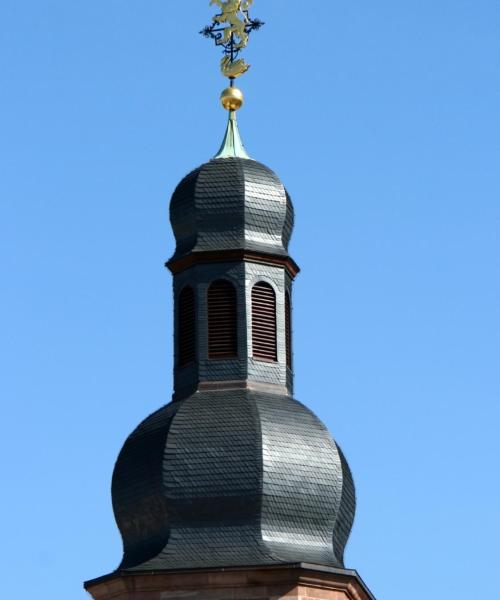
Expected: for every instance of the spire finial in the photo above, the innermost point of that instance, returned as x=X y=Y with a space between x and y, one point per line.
x=231 y=29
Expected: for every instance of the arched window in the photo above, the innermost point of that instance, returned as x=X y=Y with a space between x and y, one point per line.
x=222 y=325
x=186 y=327
x=288 y=330
x=264 y=322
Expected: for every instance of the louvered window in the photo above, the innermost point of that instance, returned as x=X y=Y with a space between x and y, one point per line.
x=264 y=322
x=186 y=330
x=288 y=331
x=222 y=325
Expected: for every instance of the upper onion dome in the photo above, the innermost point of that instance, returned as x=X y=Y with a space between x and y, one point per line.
x=231 y=203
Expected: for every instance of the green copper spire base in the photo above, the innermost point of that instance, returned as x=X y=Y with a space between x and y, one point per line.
x=232 y=146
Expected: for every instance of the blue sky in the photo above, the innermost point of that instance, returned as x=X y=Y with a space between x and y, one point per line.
x=383 y=121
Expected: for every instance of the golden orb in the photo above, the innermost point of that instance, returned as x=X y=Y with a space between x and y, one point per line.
x=231 y=98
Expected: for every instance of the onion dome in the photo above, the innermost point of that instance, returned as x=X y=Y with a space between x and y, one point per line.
x=231 y=203
x=231 y=478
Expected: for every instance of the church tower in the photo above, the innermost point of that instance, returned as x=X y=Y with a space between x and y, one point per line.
x=233 y=490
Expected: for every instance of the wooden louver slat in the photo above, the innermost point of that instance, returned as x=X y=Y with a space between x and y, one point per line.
x=222 y=320
x=264 y=322
x=186 y=331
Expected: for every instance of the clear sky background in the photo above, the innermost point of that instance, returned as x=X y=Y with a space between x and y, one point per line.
x=383 y=120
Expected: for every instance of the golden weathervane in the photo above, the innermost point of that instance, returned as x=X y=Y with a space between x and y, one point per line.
x=231 y=29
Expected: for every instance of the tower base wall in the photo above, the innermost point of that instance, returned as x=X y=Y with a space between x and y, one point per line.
x=284 y=582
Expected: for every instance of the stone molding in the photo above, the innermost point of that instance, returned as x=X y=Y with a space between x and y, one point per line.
x=243 y=384
x=290 y=582
x=196 y=258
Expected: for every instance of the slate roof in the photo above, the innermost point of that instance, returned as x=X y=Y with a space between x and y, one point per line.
x=228 y=204
x=231 y=478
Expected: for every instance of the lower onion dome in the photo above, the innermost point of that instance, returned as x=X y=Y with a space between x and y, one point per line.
x=232 y=478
